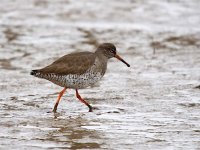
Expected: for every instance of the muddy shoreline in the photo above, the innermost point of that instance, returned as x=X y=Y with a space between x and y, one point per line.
x=152 y=105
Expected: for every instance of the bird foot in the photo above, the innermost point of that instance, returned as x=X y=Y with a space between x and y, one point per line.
x=54 y=110
x=90 y=108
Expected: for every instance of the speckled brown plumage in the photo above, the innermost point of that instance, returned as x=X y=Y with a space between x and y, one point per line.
x=78 y=70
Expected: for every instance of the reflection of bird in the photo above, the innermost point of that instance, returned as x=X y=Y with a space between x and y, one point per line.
x=78 y=70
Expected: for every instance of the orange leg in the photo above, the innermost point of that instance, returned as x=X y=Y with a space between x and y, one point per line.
x=83 y=101
x=58 y=100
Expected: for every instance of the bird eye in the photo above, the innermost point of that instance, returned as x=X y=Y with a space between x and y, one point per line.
x=112 y=51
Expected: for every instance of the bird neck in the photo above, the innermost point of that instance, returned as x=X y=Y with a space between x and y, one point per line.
x=101 y=62
x=101 y=56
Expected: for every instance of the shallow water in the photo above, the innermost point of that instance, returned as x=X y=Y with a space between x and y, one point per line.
x=154 y=104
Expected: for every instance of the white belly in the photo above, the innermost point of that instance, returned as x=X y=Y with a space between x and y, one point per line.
x=76 y=81
x=81 y=81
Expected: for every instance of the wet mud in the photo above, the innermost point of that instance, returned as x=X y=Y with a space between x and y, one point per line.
x=154 y=104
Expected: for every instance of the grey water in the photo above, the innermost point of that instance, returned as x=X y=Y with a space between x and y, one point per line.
x=151 y=105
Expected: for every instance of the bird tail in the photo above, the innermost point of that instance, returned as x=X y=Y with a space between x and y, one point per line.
x=34 y=72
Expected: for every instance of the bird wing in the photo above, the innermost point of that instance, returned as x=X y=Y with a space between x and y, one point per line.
x=75 y=63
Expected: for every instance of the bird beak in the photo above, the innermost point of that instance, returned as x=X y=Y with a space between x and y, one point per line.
x=119 y=58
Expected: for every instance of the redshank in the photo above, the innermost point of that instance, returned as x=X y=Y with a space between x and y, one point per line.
x=78 y=70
